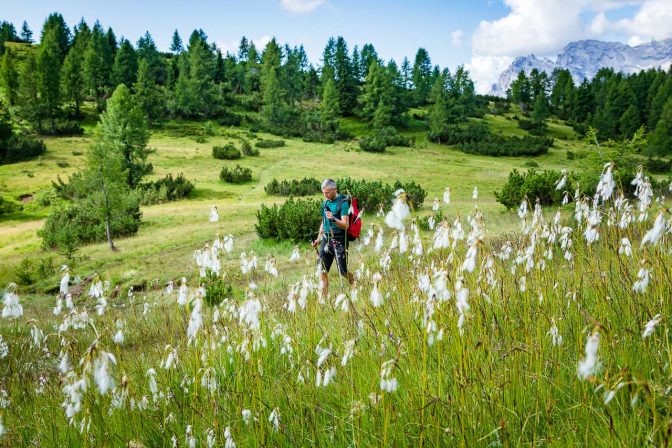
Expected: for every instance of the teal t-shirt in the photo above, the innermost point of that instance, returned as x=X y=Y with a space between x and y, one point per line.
x=333 y=205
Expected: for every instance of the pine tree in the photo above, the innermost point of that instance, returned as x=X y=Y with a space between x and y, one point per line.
x=328 y=55
x=125 y=126
x=9 y=79
x=376 y=98
x=56 y=22
x=125 y=68
x=176 y=44
x=252 y=70
x=195 y=90
x=422 y=76
x=368 y=57
x=112 y=43
x=438 y=114
x=49 y=76
x=148 y=95
x=343 y=77
x=96 y=71
x=562 y=94
x=540 y=110
x=30 y=107
x=660 y=140
x=629 y=122
x=521 y=92
x=72 y=76
x=329 y=107
x=146 y=49
x=26 y=33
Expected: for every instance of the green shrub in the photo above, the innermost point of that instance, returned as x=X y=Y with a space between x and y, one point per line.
x=248 y=150
x=296 y=220
x=216 y=289
x=84 y=223
x=230 y=119
x=31 y=270
x=267 y=143
x=536 y=185
x=8 y=205
x=658 y=165
x=294 y=187
x=423 y=222
x=533 y=127
x=62 y=164
x=165 y=190
x=209 y=128
x=382 y=138
x=226 y=152
x=476 y=138
x=17 y=148
x=373 y=143
x=531 y=164
x=373 y=194
x=571 y=155
x=64 y=128
x=238 y=175
x=46 y=197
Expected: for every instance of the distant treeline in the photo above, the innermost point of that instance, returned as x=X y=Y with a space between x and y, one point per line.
x=613 y=103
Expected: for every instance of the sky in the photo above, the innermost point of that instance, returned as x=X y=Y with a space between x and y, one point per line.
x=483 y=35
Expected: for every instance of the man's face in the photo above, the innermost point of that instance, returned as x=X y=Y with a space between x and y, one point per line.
x=329 y=193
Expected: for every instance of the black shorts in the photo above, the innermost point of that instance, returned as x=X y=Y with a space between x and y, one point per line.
x=335 y=249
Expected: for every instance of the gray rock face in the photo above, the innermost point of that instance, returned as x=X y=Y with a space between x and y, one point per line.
x=584 y=58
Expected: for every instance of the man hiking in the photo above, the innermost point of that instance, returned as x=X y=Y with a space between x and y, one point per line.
x=332 y=234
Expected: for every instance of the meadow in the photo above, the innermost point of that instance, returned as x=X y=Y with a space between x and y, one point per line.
x=495 y=329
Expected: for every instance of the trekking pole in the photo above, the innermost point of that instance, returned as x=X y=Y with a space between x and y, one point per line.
x=333 y=246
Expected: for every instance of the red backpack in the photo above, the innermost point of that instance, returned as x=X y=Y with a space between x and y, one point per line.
x=354 y=217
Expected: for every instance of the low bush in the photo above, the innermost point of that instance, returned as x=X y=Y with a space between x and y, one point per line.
x=8 y=205
x=248 y=149
x=536 y=185
x=165 y=190
x=296 y=220
x=226 y=152
x=238 y=175
x=216 y=289
x=268 y=143
x=17 y=148
x=658 y=165
x=230 y=119
x=572 y=155
x=31 y=270
x=294 y=187
x=382 y=138
x=476 y=138
x=423 y=222
x=373 y=194
x=64 y=128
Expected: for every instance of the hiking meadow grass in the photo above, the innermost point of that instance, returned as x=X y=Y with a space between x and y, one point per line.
x=495 y=328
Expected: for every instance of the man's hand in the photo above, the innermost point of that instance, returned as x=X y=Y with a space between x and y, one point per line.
x=314 y=243
x=330 y=216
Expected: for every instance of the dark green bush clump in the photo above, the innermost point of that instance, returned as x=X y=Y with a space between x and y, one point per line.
x=296 y=220
x=533 y=184
x=658 y=165
x=423 y=222
x=31 y=270
x=8 y=205
x=165 y=190
x=238 y=175
x=382 y=138
x=216 y=289
x=267 y=143
x=17 y=148
x=294 y=187
x=476 y=138
x=63 y=128
x=226 y=152
x=83 y=223
x=248 y=150
x=373 y=194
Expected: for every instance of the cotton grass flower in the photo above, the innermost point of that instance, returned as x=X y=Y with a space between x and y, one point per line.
x=63 y=289
x=229 y=443
x=247 y=416
x=446 y=195
x=590 y=365
x=228 y=243
x=388 y=383
x=296 y=254
x=560 y=184
x=656 y=232
x=399 y=211
x=642 y=282
x=625 y=247
x=435 y=205
x=214 y=216
x=376 y=296
x=651 y=325
x=554 y=333
x=101 y=374
x=274 y=419
x=474 y=194
x=12 y=308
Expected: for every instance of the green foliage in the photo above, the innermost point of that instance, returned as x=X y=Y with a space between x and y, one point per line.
x=8 y=205
x=658 y=165
x=382 y=138
x=373 y=194
x=477 y=139
x=216 y=289
x=31 y=270
x=238 y=175
x=18 y=148
x=294 y=187
x=166 y=189
x=423 y=222
x=247 y=149
x=296 y=220
x=535 y=185
x=84 y=222
x=226 y=152
x=267 y=143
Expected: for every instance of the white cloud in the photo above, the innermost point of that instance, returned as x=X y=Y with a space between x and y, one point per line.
x=543 y=27
x=456 y=38
x=301 y=6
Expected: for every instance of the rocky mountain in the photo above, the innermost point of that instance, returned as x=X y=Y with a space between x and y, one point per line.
x=585 y=57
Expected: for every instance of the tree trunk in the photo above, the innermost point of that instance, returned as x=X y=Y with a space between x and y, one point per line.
x=108 y=227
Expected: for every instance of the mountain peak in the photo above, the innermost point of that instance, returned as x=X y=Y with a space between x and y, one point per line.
x=583 y=58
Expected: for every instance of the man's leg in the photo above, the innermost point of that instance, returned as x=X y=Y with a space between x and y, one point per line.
x=326 y=258
x=325 y=284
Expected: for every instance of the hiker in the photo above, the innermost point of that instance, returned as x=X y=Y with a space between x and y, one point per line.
x=332 y=234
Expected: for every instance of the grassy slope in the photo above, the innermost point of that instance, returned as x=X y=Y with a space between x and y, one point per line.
x=171 y=232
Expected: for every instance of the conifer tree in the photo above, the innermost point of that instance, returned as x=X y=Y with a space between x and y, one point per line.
x=49 y=77
x=9 y=78
x=176 y=43
x=26 y=33
x=125 y=68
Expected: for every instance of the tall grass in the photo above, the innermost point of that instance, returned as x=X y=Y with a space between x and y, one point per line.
x=464 y=349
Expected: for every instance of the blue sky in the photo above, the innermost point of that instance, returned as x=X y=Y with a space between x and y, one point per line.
x=485 y=35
